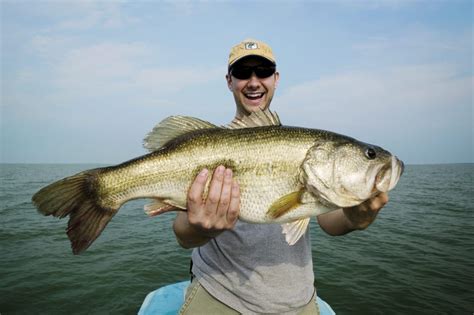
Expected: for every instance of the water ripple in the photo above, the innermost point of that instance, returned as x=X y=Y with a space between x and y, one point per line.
x=417 y=257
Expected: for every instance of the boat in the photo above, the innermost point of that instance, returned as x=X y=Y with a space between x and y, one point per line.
x=167 y=300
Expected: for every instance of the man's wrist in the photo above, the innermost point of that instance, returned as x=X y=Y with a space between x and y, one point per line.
x=208 y=233
x=186 y=234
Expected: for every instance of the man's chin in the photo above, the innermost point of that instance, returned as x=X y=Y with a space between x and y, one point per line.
x=254 y=108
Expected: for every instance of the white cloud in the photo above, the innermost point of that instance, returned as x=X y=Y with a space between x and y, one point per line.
x=375 y=98
x=175 y=79
x=184 y=7
x=49 y=47
x=374 y=4
x=75 y=72
x=77 y=15
x=416 y=42
x=420 y=45
x=105 y=62
x=110 y=67
x=84 y=15
x=422 y=113
x=107 y=15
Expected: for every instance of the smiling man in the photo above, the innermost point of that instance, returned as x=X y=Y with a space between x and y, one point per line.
x=252 y=78
x=249 y=268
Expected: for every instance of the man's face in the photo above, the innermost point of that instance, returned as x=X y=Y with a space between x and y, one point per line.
x=253 y=93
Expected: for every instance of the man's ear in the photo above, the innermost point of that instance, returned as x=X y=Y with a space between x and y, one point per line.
x=277 y=78
x=228 y=78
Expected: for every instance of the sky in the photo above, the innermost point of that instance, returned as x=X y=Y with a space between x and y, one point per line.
x=85 y=81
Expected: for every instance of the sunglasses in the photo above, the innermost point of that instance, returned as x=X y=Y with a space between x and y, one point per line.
x=244 y=73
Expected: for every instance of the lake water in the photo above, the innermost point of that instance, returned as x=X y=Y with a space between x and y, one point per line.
x=417 y=257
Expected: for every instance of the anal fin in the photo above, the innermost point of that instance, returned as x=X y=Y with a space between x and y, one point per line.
x=294 y=230
x=158 y=207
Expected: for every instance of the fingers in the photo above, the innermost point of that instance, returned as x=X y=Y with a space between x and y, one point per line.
x=376 y=203
x=363 y=215
x=224 y=200
x=221 y=208
x=383 y=198
x=215 y=191
x=234 y=205
x=228 y=205
x=196 y=190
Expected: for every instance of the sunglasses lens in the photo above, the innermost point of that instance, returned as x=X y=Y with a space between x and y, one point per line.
x=264 y=72
x=244 y=73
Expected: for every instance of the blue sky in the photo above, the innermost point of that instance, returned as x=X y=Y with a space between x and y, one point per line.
x=84 y=81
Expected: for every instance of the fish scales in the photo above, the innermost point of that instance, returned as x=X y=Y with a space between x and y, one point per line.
x=285 y=174
x=265 y=162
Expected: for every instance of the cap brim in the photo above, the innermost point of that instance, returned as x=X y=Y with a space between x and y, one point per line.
x=250 y=55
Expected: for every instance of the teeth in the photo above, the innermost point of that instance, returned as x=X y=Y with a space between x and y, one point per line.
x=254 y=95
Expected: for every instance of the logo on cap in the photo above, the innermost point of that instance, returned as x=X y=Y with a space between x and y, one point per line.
x=251 y=46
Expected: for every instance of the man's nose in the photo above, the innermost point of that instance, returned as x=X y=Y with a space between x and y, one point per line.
x=253 y=80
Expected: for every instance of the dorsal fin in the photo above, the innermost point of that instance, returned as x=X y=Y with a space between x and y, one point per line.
x=256 y=119
x=172 y=127
x=175 y=126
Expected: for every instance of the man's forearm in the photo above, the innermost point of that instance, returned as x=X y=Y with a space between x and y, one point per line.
x=343 y=221
x=335 y=223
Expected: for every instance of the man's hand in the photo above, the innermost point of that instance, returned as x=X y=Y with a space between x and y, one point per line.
x=343 y=221
x=220 y=210
x=361 y=216
x=207 y=218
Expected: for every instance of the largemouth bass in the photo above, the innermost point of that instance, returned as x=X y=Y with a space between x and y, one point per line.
x=286 y=174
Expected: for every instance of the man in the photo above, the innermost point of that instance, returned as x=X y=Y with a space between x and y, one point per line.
x=249 y=268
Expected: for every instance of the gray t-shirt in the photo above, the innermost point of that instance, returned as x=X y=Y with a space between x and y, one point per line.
x=253 y=270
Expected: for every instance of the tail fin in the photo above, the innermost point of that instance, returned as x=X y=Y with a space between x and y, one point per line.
x=76 y=196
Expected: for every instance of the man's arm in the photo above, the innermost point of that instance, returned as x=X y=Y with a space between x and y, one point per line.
x=205 y=219
x=343 y=221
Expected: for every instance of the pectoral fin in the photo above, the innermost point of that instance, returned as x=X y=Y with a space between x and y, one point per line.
x=285 y=204
x=294 y=230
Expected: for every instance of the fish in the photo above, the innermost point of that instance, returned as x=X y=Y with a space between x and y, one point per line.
x=286 y=175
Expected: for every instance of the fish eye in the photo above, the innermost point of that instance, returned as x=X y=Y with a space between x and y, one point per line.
x=370 y=153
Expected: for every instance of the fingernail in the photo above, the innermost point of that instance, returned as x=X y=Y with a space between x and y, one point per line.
x=228 y=172
x=235 y=185
x=203 y=173
x=220 y=169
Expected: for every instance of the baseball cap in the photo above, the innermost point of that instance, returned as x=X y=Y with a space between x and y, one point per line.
x=250 y=47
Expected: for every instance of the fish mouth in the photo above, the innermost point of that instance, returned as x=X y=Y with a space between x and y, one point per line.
x=388 y=175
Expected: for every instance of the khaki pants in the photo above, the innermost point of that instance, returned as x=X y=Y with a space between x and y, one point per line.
x=198 y=301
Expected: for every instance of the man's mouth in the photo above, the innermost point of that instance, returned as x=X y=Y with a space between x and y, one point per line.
x=254 y=95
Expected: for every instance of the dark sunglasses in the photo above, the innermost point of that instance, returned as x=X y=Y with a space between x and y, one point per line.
x=244 y=73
